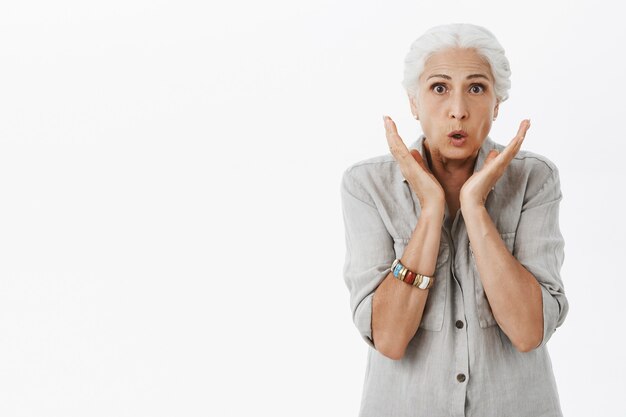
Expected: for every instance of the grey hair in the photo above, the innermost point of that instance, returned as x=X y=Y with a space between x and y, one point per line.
x=457 y=35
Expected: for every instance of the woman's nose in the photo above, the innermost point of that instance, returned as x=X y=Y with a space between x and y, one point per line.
x=458 y=107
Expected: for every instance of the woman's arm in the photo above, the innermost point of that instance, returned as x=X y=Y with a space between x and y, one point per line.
x=397 y=307
x=514 y=294
x=524 y=289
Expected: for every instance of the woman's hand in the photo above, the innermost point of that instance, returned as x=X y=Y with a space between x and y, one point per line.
x=476 y=189
x=420 y=179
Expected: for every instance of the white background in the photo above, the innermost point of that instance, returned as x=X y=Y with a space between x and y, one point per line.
x=171 y=239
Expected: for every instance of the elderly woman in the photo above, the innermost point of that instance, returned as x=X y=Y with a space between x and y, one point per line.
x=453 y=247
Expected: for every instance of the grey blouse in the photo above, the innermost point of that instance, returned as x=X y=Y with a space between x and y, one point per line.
x=459 y=363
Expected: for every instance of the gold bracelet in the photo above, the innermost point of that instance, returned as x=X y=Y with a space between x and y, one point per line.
x=421 y=281
x=402 y=273
x=418 y=280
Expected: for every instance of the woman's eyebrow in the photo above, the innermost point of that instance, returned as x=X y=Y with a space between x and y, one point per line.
x=478 y=76
x=469 y=77
x=447 y=77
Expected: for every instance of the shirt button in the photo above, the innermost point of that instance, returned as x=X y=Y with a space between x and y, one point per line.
x=459 y=324
x=460 y=377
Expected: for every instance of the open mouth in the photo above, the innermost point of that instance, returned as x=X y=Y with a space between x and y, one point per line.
x=458 y=137
x=457 y=134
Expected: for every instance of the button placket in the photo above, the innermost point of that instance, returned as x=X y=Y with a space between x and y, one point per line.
x=461 y=349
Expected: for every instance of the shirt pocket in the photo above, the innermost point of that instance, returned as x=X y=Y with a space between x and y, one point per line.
x=434 y=310
x=485 y=314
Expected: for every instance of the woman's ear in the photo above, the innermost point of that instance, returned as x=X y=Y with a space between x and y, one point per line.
x=413 y=104
x=495 y=111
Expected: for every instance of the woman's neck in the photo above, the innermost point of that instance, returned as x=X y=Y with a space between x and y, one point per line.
x=451 y=174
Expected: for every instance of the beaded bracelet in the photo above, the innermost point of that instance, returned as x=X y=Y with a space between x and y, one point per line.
x=412 y=278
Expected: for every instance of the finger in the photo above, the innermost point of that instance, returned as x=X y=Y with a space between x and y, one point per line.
x=521 y=133
x=397 y=147
x=516 y=143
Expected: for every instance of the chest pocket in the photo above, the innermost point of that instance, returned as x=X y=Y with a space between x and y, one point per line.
x=485 y=314
x=434 y=310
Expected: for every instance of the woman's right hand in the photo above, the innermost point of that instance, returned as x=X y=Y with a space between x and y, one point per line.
x=423 y=183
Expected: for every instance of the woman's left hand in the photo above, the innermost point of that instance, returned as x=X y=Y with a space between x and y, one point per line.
x=476 y=189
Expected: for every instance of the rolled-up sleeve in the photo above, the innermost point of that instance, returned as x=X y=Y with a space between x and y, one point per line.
x=369 y=249
x=539 y=247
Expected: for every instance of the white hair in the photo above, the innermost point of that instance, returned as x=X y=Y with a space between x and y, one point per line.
x=457 y=35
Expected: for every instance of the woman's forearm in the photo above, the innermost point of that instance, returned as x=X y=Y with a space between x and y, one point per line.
x=397 y=307
x=513 y=293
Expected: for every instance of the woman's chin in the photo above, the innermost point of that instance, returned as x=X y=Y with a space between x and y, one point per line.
x=458 y=153
x=454 y=149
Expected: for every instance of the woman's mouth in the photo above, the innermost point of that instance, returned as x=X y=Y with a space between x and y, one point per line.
x=457 y=137
x=457 y=134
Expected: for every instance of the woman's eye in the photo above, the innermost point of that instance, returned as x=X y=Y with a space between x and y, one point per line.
x=477 y=89
x=439 y=88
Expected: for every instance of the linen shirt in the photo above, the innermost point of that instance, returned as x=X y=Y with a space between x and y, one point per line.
x=459 y=363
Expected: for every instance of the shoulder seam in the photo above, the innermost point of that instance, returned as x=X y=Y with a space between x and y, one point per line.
x=548 y=164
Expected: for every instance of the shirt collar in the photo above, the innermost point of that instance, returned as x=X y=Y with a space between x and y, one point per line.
x=487 y=146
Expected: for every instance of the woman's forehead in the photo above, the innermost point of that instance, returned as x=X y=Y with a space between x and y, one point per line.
x=455 y=63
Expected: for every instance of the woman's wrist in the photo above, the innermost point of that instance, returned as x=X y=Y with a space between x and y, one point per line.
x=432 y=217
x=434 y=208
x=470 y=209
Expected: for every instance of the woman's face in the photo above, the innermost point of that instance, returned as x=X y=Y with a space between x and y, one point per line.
x=456 y=103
